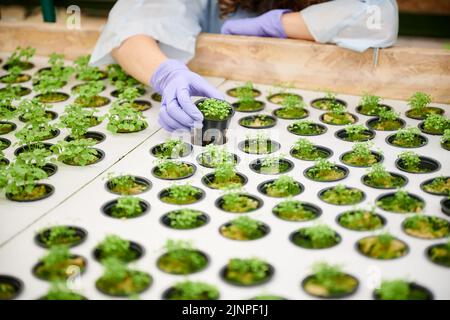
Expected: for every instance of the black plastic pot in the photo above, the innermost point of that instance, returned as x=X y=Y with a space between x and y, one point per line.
x=26 y=78
x=205 y=256
x=264 y=228
x=145 y=105
x=405 y=230
x=27 y=147
x=50 y=169
x=317 y=125
x=23 y=91
x=165 y=220
x=63 y=97
x=339 y=101
x=281 y=96
x=270 y=273
x=51 y=114
x=412 y=286
x=370 y=123
x=445 y=206
x=187 y=146
x=95 y=135
x=385 y=106
x=422 y=128
x=425 y=162
x=273 y=124
x=100 y=157
x=4 y=162
x=140 y=180
x=321 y=192
x=106 y=208
x=262 y=188
x=4 y=143
x=156 y=97
x=210 y=176
x=219 y=202
x=358 y=249
x=428 y=254
x=423 y=184
x=390 y=139
x=80 y=232
x=168 y=293
x=231 y=92
x=213 y=131
x=276 y=111
x=103 y=102
x=326 y=150
x=255 y=166
x=391 y=194
x=72 y=256
x=115 y=93
x=24 y=65
x=296 y=235
x=48 y=188
x=365 y=178
x=275 y=146
x=173 y=179
x=135 y=247
x=341 y=168
x=342 y=134
x=16 y=283
x=383 y=221
x=333 y=296
x=74 y=89
x=165 y=192
x=440 y=111
x=377 y=155
x=236 y=160
x=355 y=118
x=261 y=106
x=12 y=124
x=311 y=207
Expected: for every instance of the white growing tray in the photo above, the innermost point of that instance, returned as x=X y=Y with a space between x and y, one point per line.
x=292 y=264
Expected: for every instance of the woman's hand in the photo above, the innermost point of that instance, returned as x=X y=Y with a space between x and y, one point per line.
x=266 y=25
x=176 y=83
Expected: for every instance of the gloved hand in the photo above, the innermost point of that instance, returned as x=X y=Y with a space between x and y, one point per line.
x=176 y=83
x=266 y=25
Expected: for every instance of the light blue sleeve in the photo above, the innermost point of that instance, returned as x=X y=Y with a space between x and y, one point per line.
x=354 y=24
x=174 y=23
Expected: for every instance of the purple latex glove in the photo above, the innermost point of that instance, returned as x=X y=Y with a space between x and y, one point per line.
x=266 y=25
x=176 y=83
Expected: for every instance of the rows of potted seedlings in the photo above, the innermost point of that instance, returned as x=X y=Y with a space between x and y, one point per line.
x=320 y=203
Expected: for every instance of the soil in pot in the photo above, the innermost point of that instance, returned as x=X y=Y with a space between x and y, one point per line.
x=369 y=110
x=306 y=128
x=185 y=219
x=10 y=79
x=400 y=202
x=188 y=290
x=327 y=103
x=247 y=272
x=127 y=185
x=361 y=220
x=156 y=97
x=328 y=281
x=19 y=90
x=39 y=191
x=77 y=88
x=439 y=186
x=293 y=113
x=280 y=97
x=401 y=290
x=259 y=146
x=182 y=259
x=115 y=247
x=181 y=194
x=282 y=187
x=120 y=281
x=7 y=127
x=172 y=149
x=3 y=161
x=24 y=65
x=31 y=147
x=52 y=97
x=70 y=236
x=141 y=105
x=244 y=229
x=355 y=133
x=407 y=138
x=341 y=195
x=92 y=102
x=249 y=106
x=235 y=202
x=296 y=211
x=325 y=171
x=271 y=165
x=50 y=115
x=58 y=263
x=386 y=124
x=10 y=287
x=258 y=121
x=413 y=163
x=361 y=156
x=304 y=149
x=116 y=93
x=338 y=119
x=222 y=179
x=217 y=116
x=126 y=207
x=234 y=92
x=315 y=237
x=423 y=113
x=426 y=227
x=440 y=254
x=173 y=170
x=382 y=247
x=4 y=143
